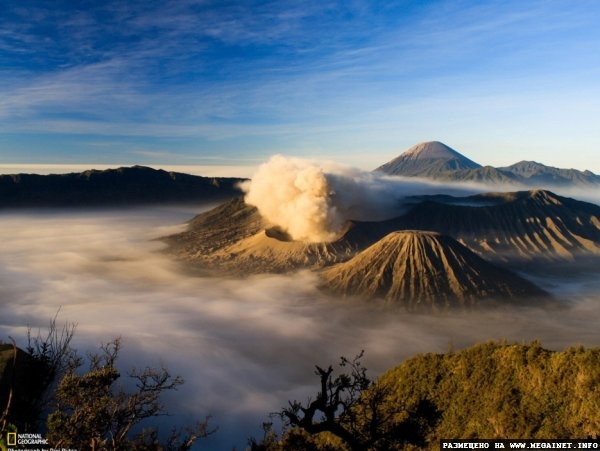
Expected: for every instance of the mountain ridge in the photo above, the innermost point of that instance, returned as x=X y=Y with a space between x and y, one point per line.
x=534 y=225
x=482 y=234
x=113 y=187
x=233 y=238
x=536 y=172
x=522 y=226
x=435 y=160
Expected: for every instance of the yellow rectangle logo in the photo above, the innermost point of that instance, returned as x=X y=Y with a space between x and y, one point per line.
x=11 y=438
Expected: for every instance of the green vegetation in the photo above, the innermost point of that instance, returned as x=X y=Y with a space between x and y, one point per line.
x=89 y=409
x=92 y=412
x=497 y=390
x=491 y=390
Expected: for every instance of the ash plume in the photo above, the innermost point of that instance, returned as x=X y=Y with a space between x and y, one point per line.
x=312 y=201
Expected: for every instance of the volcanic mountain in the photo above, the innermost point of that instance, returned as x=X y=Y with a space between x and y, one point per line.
x=436 y=160
x=234 y=239
x=518 y=226
x=503 y=227
x=424 y=269
x=428 y=159
x=534 y=173
x=113 y=187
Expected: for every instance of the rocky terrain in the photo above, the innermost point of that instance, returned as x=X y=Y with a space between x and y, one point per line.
x=439 y=253
x=513 y=227
x=518 y=226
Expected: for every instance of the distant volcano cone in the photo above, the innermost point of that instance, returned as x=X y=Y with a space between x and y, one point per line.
x=426 y=159
x=425 y=269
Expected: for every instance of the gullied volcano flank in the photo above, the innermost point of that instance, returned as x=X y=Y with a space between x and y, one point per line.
x=424 y=269
x=517 y=226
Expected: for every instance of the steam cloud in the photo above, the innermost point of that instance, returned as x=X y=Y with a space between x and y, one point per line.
x=312 y=201
x=243 y=347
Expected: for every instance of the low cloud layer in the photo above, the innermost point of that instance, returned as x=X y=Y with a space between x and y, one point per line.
x=243 y=347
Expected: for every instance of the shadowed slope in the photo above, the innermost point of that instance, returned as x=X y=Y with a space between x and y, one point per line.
x=217 y=228
x=113 y=187
x=417 y=269
x=523 y=225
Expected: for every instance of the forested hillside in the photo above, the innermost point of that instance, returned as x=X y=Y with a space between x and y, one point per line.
x=504 y=391
x=491 y=390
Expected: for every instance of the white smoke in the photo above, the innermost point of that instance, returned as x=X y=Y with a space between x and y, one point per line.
x=295 y=195
x=313 y=201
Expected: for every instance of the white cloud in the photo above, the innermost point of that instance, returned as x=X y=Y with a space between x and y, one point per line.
x=244 y=346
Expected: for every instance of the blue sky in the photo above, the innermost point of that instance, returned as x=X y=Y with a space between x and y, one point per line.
x=200 y=82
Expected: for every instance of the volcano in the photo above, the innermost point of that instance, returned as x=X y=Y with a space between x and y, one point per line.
x=428 y=159
x=234 y=239
x=419 y=269
x=510 y=227
x=436 y=160
x=441 y=252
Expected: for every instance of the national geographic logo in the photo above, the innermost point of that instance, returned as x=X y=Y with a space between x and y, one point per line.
x=16 y=439
x=11 y=439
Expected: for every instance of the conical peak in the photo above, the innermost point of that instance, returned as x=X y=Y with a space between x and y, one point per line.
x=432 y=150
x=424 y=268
x=418 y=244
x=427 y=159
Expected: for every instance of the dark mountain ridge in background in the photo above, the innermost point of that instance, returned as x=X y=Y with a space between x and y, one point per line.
x=538 y=173
x=113 y=187
x=437 y=161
